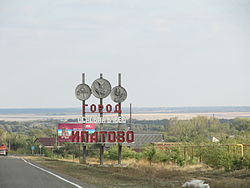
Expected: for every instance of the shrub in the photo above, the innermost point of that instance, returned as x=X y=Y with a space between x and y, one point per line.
x=172 y=155
x=60 y=152
x=138 y=155
x=162 y=156
x=217 y=157
x=48 y=153
x=112 y=153
x=240 y=163
x=149 y=153
x=176 y=157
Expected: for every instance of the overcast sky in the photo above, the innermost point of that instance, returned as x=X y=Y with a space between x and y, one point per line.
x=170 y=52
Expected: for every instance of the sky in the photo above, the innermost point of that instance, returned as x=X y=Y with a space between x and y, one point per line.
x=170 y=52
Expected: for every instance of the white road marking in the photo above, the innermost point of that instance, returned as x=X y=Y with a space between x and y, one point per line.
x=59 y=177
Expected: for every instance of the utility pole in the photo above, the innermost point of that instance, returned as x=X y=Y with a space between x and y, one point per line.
x=130 y=116
x=101 y=127
x=9 y=145
x=84 y=147
x=119 y=126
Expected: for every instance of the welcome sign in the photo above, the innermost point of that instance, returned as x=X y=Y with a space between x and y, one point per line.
x=73 y=132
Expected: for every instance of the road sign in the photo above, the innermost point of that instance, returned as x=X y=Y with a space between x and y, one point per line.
x=82 y=92
x=33 y=148
x=101 y=88
x=118 y=94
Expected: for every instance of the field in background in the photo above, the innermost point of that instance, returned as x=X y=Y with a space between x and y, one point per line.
x=138 y=116
x=141 y=113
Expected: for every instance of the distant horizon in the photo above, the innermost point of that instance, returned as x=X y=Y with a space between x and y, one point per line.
x=231 y=106
x=126 y=110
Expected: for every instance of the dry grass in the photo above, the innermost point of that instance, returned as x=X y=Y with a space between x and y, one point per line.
x=135 y=173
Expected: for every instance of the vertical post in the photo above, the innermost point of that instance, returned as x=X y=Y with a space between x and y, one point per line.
x=73 y=156
x=101 y=126
x=242 y=149
x=192 y=152
x=200 y=153
x=9 y=144
x=119 y=126
x=79 y=149
x=56 y=138
x=184 y=152
x=84 y=147
x=130 y=116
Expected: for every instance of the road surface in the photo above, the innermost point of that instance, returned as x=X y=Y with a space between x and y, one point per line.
x=19 y=173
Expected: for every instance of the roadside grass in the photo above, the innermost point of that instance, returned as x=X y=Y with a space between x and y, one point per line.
x=138 y=174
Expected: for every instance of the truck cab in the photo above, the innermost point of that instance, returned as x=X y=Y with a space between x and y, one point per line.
x=3 y=150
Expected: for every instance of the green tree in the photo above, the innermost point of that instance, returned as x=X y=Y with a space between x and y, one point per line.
x=149 y=153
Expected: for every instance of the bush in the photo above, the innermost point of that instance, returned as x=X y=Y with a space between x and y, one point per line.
x=60 y=152
x=162 y=156
x=240 y=163
x=48 y=153
x=138 y=155
x=217 y=157
x=112 y=153
x=176 y=157
x=149 y=153
x=72 y=149
x=172 y=155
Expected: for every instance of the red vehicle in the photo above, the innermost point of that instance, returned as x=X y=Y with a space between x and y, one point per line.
x=3 y=150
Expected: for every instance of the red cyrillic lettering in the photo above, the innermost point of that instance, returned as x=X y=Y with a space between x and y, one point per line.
x=100 y=107
x=83 y=108
x=118 y=108
x=111 y=136
x=120 y=136
x=130 y=137
x=102 y=133
x=94 y=137
x=85 y=136
x=93 y=108
x=75 y=136
x=109 y=108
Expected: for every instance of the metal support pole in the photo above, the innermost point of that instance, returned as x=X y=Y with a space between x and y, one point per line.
x=9 y=145
x=119 y=126
x=79 y=150
x=130 y=116
x=84 y=147
x=101 y=126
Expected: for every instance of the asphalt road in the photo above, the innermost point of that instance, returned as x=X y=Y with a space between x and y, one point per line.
x=17 y=173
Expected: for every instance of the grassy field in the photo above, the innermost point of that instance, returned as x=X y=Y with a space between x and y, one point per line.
x=139 y=174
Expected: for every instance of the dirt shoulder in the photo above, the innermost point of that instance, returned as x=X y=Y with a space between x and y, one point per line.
x=137 y=174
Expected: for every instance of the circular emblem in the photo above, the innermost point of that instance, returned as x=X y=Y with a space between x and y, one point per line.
x=101 y=88
x=82 y=92
x=118 y=94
